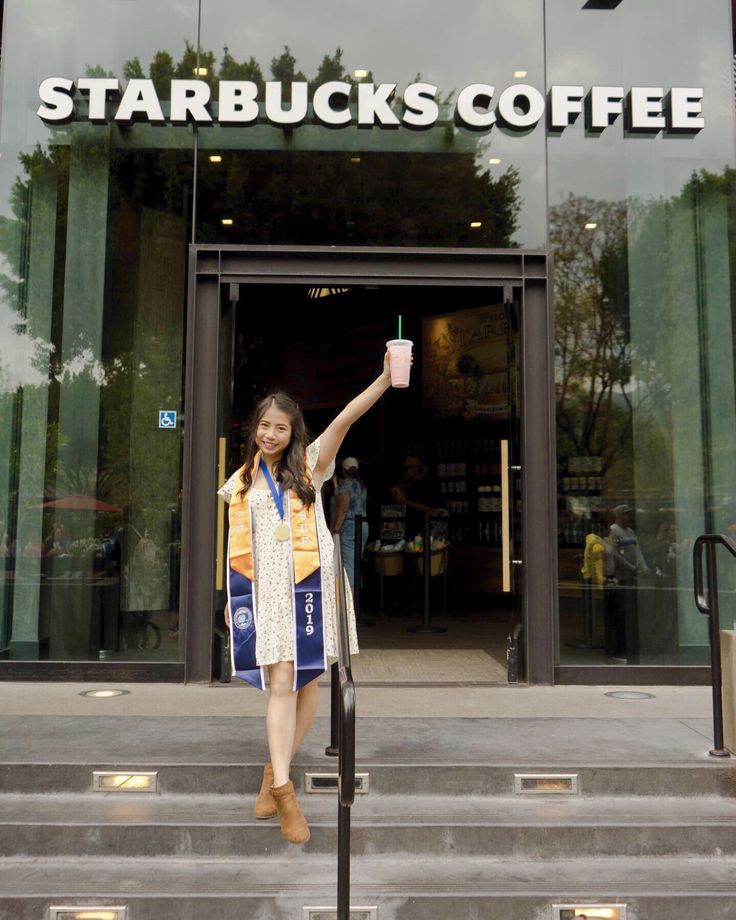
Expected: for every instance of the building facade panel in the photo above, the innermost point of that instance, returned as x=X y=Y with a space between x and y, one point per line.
x=589 y=133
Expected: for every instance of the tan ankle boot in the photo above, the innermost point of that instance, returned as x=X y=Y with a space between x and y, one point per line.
x=294 y=825
x=265 y=804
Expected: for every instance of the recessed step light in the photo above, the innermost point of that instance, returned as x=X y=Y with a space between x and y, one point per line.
x=330 y=913
x=327 y=782
x=629 y=695
x=589 y=911
x=88 y=913
x=122 y=781
x=104 y=694
x=546 y=784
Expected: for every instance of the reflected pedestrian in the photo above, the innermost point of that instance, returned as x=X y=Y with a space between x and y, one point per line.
x=629 y=564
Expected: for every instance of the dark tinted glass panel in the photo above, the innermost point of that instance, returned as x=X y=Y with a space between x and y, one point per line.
x=309 y=183
x=93 y=233
x=643 y=236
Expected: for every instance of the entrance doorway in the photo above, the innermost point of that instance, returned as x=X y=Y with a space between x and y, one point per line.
x=456 y=437
x=427 y=458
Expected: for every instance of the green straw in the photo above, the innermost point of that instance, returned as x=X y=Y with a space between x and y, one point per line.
x=399 y=325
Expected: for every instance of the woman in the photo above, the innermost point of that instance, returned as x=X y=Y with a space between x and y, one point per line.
x=351 y=498
x=281 y=580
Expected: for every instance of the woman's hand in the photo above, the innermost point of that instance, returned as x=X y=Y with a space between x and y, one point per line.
x=386 y=368
x=227 y=615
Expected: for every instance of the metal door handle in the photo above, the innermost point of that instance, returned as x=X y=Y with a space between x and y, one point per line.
x=505 y=520
x=220 y=557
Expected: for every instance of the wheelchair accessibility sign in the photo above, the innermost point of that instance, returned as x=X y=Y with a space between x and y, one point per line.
x=167 y=418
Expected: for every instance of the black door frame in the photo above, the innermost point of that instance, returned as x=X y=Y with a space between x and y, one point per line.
x=211 y=266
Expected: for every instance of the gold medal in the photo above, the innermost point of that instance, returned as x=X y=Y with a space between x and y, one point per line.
x=281 y=532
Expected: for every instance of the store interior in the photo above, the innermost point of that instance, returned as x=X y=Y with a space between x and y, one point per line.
x=322 y=346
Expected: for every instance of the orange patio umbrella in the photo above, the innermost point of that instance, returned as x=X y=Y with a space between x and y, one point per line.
x=78 y=503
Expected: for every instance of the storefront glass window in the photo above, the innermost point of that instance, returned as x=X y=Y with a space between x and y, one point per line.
x=643 y=238
x=355 y=185
x=93 y=231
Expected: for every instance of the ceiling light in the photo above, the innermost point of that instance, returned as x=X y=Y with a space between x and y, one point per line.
x=200 y=71
x=215 y=158
x=227 y=221
x=355 y=159
x=103 y=694
x=475 y=224
x=360 y=74
x=591 y=225
x=315 y=293
x=494 y=161
x=520 y=73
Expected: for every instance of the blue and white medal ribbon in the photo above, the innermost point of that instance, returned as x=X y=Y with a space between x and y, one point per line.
x=281 y=531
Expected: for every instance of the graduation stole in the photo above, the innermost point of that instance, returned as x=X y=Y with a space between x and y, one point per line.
x=309 y=642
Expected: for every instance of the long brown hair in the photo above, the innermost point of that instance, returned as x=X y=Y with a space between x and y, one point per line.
x=291 y=469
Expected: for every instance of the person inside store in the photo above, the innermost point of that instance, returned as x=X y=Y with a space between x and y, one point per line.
x=418 y=493
x=7 y=544
x=671 y=553
x=54 y=543
x=598 y=574
x=629 y=566
x=282 y=608
x=351 y=498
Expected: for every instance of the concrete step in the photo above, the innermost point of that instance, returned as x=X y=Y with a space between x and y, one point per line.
x=137 y=825
x=223 y=778
x=440 y=888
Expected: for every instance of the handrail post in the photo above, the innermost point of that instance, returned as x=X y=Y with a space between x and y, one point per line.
x=346 y=741
x=343 y=875
x=715 y=653
x=708 y=605
x=332 y=748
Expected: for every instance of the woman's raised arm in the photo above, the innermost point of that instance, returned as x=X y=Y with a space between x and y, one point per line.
x=334 y=434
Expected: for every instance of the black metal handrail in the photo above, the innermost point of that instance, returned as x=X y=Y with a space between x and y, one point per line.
x=707 y=604
x=345 y=741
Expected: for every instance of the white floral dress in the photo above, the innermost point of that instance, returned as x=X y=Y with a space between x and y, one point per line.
x=274 y=575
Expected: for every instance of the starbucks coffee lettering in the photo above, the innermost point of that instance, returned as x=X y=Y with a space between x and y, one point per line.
x=480 y=107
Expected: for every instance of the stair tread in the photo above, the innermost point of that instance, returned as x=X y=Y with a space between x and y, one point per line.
x=618 y=738
x=146 y=809
x=371 y=877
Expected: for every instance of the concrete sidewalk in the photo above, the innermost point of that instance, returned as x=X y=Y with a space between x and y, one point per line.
x=166 y=723
x=238 y=699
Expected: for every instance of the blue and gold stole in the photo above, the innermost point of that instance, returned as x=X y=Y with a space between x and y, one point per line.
x=309 y=642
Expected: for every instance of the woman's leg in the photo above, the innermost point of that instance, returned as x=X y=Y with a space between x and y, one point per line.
x=306 y=708
x=281 y=719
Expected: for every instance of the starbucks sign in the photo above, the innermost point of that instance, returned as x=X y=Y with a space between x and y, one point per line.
x=479 y=106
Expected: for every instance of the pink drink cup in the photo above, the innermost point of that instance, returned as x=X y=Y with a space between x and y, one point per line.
x=399 y=359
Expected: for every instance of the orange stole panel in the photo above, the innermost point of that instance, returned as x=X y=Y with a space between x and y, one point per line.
x=304 y=541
